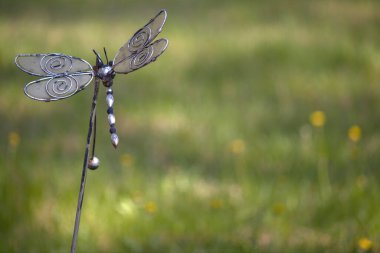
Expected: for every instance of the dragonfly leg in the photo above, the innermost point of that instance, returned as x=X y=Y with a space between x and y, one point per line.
x=85 y=166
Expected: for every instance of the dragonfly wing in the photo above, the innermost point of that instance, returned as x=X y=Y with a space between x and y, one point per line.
x=57 y=87
x=142 y=37
x=51 y=64
x=142 y=58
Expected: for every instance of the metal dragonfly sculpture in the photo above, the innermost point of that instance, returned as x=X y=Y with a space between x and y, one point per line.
x=63 y=76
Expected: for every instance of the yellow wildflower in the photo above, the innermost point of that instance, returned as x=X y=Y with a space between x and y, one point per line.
x=318 y=119
x=237 y=146
x=14 y=139
x=355 y=133
x=150 y=207
x=216 y=203
x=278 y=208
x=127 y=160
x=365 y=244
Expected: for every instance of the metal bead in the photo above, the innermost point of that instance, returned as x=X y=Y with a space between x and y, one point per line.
x=110 y=110
x=111 y=119
x=109 y=100
x=114 y=140
x=112 y=129
x=93 y=163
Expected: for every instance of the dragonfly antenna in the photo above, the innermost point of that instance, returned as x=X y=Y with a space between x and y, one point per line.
x=105 y=53
x=99 y=59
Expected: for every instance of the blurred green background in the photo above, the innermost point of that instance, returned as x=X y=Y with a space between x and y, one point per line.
x=256 y=131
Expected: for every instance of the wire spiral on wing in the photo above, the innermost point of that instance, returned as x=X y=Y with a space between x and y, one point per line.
x=139 y=39
x=56 y=64
x=142 y=58
x=61 y=87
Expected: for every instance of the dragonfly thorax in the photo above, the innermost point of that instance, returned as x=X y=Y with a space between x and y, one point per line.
x=106 y=74
x=105 y=71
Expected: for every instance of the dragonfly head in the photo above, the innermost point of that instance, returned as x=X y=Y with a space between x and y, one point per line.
x=104 y=71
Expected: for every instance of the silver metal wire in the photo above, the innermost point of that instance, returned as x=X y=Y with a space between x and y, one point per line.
x=85 y=163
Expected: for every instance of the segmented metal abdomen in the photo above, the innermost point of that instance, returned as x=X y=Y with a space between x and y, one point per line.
x=111 y=118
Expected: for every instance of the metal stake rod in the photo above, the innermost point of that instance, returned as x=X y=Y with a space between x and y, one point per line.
x=85 y=163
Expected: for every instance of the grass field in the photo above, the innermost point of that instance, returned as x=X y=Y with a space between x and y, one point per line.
x=256 y=131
